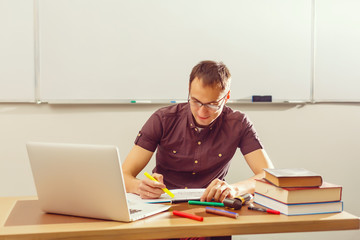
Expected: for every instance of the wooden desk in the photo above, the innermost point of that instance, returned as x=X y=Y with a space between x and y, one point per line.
x=20 y=218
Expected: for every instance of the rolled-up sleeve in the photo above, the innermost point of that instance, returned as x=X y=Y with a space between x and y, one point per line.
x=150 y=134
x=249 y=140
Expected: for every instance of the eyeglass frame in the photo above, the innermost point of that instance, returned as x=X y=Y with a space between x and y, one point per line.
x=208 y=105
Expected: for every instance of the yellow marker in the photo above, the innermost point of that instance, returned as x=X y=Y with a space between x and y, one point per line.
x=164 y=189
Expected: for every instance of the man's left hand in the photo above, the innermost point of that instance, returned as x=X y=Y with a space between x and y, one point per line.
x=218 y=190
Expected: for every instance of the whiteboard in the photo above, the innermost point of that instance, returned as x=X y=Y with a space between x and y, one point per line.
x=337 y=50
x=121 y=50
x=17 y=70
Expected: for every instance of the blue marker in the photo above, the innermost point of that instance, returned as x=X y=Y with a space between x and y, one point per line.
x=221 y=212
x=173 y=101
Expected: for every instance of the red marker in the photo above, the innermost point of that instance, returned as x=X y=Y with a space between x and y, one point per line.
x=263 y=210
x=188 y=215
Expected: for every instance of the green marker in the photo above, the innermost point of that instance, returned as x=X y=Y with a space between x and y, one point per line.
x=215 y=204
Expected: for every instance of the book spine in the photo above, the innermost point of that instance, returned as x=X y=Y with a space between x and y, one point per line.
x=284 y=208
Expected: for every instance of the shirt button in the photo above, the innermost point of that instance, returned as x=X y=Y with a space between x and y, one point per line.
x=196 y=161
x=193 y=173
x=185 y=187
x=199 y=142
x=139 y=134
x=220 y=155
x=196 y=129
x=174 y=151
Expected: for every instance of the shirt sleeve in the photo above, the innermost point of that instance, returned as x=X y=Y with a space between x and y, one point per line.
x=249 y=140
x=150 y=134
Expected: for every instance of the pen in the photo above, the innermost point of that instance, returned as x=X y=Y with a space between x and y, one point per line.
x=263 y=210
x=216 y=204
x=188 y=215
x=164 y=189
x=221 y=212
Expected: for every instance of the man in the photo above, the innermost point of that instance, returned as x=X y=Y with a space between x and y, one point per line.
x=196 y=141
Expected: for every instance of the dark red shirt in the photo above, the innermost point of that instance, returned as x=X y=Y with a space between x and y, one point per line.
x=187 y=157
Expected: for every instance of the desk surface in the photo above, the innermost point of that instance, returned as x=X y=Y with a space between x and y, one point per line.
x=38 y=225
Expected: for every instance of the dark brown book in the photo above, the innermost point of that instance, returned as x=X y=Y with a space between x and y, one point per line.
x=293 y=177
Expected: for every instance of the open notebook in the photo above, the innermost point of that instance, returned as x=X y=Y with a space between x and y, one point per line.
x=181 y=195
x=84 y=180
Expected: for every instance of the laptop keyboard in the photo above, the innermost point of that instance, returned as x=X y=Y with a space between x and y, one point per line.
x=132 y=210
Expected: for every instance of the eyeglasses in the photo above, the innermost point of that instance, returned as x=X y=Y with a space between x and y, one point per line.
x=213 y=106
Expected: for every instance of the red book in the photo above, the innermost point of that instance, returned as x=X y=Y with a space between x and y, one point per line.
x=299 y=208
x=327 y=192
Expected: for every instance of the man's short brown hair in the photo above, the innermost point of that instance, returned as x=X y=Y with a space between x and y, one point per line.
x=212 y=74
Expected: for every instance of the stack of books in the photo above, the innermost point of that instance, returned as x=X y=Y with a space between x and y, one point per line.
x=297 y=191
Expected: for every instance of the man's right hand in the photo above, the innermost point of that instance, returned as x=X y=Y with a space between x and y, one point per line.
x=149 y=189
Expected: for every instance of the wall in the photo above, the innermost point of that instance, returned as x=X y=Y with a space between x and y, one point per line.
x=320 y=137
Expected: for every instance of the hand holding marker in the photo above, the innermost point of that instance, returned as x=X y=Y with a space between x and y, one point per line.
x=164 y=189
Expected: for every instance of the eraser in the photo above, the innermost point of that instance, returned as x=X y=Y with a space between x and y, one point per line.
x=264 y=98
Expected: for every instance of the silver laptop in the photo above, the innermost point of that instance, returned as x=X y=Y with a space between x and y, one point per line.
x=84 y=180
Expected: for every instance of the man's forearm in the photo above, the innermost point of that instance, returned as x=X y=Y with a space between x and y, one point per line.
x=131 y=184
x=248 y=185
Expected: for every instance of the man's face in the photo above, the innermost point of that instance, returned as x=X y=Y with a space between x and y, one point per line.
x=200 y=94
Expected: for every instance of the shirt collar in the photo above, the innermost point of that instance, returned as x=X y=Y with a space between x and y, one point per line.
x=212 y=126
